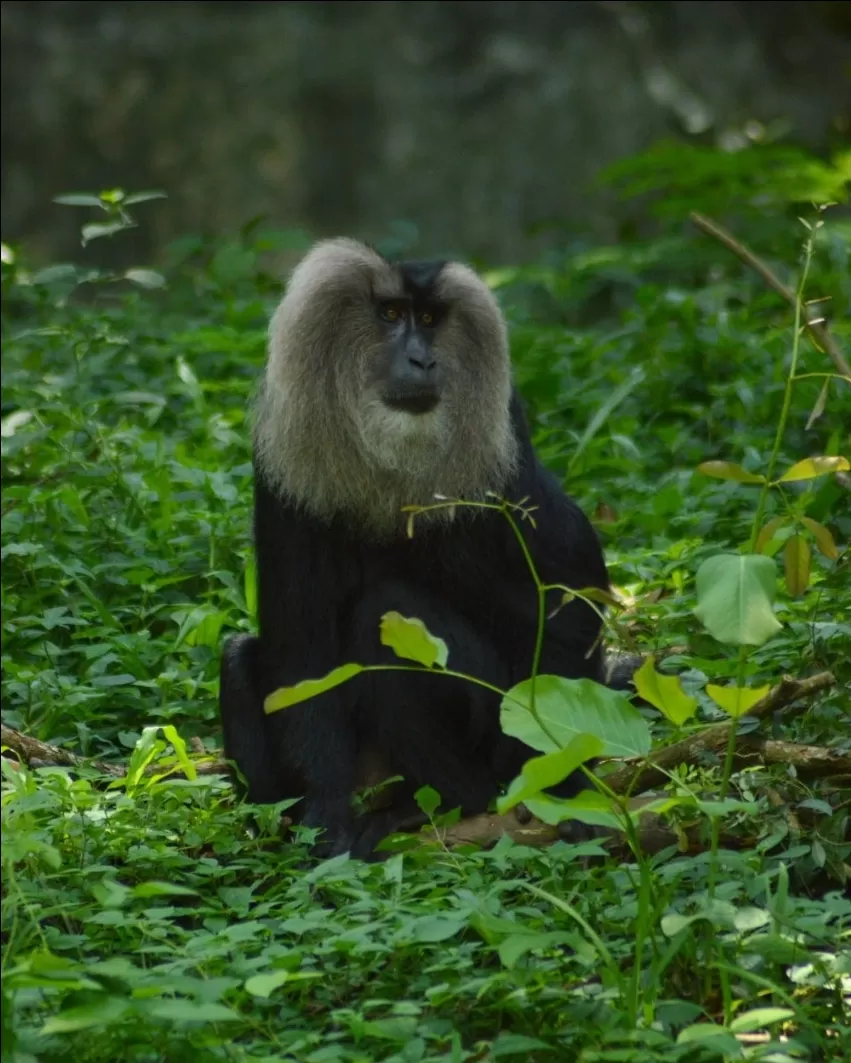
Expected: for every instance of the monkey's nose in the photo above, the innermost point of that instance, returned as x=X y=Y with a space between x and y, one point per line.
x=423 y=362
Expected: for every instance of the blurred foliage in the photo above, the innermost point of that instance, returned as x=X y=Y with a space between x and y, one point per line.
x=143 y=922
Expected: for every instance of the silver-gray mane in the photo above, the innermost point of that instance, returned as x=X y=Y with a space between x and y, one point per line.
x=323 y=437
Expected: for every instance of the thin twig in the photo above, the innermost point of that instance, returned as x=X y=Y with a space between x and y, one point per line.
x=815 y=326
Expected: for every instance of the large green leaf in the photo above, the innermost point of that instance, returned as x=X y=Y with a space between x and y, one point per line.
x=735 y=593
x=570 y=707
x=539 y=773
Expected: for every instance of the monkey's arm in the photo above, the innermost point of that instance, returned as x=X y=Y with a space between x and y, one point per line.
x=302 y=586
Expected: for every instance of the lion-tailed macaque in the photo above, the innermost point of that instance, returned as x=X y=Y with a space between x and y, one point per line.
x=388 y=384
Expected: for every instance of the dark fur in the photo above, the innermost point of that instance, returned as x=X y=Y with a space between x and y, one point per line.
x=324 y=583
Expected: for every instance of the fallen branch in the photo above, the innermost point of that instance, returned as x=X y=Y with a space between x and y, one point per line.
x=653 y=832
x=33 y=751
x=636 y=776
x=815 y=325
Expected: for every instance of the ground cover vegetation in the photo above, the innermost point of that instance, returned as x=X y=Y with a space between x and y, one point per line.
x=689 y=394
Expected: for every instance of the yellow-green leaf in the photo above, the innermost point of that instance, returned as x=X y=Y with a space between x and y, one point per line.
x=736 y=701
x=409 y=638
x=284 y=697
x=539 y=773
x=810 y=468
x=767 y=532
x=823 y=538
x=665 y=693
x=728 y=470
x=796 y=565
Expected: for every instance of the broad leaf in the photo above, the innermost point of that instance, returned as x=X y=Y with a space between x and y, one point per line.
x=284 y=697
x=796 y=565
x=589 y=807
x=727 y=470
x=664 y=692
x=734 y=700
x=540 y=773
x=570 y=707
x=735 y=593
x=823 y=538
x=410 y=639
x=810 y=468
x=757 y=1018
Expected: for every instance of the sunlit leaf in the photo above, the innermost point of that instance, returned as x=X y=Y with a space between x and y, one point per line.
x=284 y=697
x=410 y=639
x=796 y=565
x=810 y=468
x=664 y=692
x=145 y=278
x=735 y=700
x=735 y=593
x=570 y=707
x=823 y=538
x=758 y=1018
x=728 y=470
x=263 y=985
x=539 y=773
x=179 y=746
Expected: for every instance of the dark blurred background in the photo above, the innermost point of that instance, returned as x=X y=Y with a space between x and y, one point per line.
x=469 y=126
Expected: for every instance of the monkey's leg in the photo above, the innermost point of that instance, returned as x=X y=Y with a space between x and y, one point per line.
x=247 y=734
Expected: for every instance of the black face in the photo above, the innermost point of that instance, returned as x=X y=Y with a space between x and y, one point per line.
x=412 y=370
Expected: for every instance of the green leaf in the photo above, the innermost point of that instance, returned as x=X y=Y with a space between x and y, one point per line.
x=410 y=639
x=736 y=701
x=664 y=692
x=104 y=1011
x=284 y=697
x=823 y=538
x=263 y=985
x=540 y=773
x=515 y=946
x=589 y=806
x=428 y=800
x=570 y=707
x=191 y=1011
x=796 y=565
x=735 y=593
x=757 y=1018
x=727 y=470
x=810 y=468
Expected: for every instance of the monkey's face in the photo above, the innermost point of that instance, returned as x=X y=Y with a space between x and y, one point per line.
x=409 y=375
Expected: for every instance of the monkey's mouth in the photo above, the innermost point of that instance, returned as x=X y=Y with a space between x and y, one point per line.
x=416 y=401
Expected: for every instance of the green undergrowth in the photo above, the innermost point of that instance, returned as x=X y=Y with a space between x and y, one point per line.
x=142 y=920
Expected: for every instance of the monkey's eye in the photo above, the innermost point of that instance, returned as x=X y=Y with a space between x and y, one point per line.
x=390 y=312
x=427 y=318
